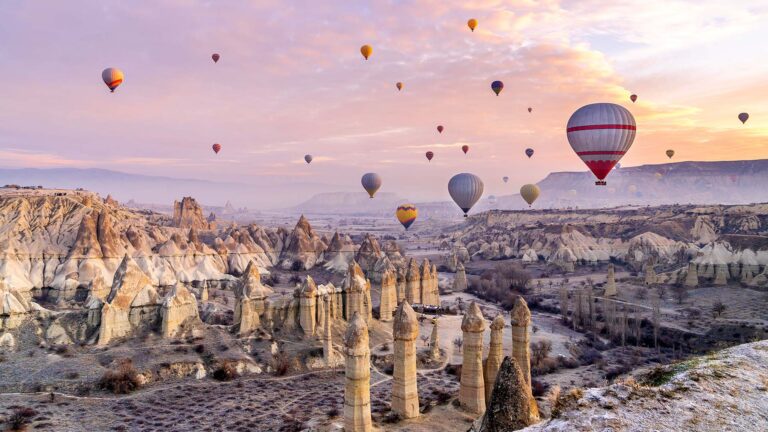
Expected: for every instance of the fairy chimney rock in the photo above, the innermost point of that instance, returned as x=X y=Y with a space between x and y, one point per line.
x=405 y=330
x=472 y=387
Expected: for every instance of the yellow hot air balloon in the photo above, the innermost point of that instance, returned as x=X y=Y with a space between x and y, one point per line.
x=406 y=214
x=529 y=193
x=670 y=153
x=112 y=77
x=472 y=23
x=366 y=51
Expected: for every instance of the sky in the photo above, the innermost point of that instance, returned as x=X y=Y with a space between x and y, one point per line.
x=291 y=81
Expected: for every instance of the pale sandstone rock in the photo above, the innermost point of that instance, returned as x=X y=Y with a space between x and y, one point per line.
x=472 y=387
x=692 y=276
x=188 y=214
x=460 y=280
x=357 y=391
x=308 y=306
x=413 y=282
x=495 y=355
x=358 y=293
x=521 y=341
x=388 y=301
x=610 y=282
x=179 y=310
x=405 y=330
x=434 y=341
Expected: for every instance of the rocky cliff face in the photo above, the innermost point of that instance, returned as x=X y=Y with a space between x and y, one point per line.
x=303 y=247
x=187 y=213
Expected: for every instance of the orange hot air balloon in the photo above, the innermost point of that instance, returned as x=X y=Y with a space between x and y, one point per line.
x=399 y=86
x=215 y=57
x=430 y=155
x=633 y=98
x=472 y=23
x=366 y=51
x=216 y=148
x=465 y=148
x=112 y=77
x=670 y=153
x=440 y=129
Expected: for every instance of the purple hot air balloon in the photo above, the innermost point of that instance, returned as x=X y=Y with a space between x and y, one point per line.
x=529 y=152
x=497 y=87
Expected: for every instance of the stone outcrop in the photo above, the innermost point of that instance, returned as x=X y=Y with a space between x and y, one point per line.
x=250 y=296
x=327 y=336
x=405 y=331
x=187 y=213
x=179 y=311
x=434 y=341
x=338 y=254
x=521 y=341
x=460 y=279
x=357 y=390
x=495 y=354
x=649 y=274
x=692 y=276
x=388 y=291
x=303 y=247
x=14 y=308
x=509 y=405
x=308 y=306
x=430 y=294
x=413 y=282
x=369 y=253
x=610 y=283
x=472 y=387
x=358 y=293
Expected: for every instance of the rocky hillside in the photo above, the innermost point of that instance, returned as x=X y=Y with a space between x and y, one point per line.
x=726 y=391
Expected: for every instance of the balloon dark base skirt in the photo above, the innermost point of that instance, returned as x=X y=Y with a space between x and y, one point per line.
x=601 y=183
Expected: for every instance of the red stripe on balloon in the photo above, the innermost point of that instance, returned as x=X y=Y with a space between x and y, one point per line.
x=598 y=152
x=601 y=126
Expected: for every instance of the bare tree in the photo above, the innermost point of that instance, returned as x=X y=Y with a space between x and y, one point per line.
x=718 y=309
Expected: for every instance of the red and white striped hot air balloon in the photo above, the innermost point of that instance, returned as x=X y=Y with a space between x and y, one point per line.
x=601 y=134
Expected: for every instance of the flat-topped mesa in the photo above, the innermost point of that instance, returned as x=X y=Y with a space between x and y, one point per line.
x=472 y=387
x=509 y=406
x=405 y=330
x=308 y=306
x=179 y=311
x=495 y=354
x=434 y=341
x=358 y=293
x=188 y=214
x=357 y=390
x=610 y=282
x=388 y=300
x=691 y=276
x=521 y=340
x=460 y=279
x=413 y=282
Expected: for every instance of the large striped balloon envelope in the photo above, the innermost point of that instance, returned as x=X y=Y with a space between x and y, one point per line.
x=601 y=134
x=406 y=214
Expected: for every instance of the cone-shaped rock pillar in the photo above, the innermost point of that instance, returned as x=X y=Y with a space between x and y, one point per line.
x=472 y=387
x=495 y=355
x=405 y=330
x=357 y=391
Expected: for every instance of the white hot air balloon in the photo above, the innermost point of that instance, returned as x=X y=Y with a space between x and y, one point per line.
x=601 y=134
x=465 y=189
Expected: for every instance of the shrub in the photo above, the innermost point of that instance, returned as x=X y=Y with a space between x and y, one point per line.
x=540 y=351
x=20 y=418
x=123 y=380
x=225 y=372
x=538 y=388
x=333 y=412
x=281 y=363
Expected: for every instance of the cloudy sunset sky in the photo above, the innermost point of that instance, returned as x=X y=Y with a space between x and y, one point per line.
x=291 y=81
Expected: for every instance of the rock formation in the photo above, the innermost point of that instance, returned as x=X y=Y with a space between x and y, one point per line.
x=692 y=276
x=610 y=283
x=368 y=253
x=649 y=275
x=250 y=295
x=430 y=294
x=405 y=330
x=509 y=405
x=338 y=254
x=303 y=247
x=188 y=214
x=14 y=309
x=521 y=341
x=327 y=337
x=179 y=310
x=495 y=355
x=413 y=282
x=460 y=279
x=388 y=300
x=434 y=341
x=358 y=293
x=472 y=388
x=357 y=390
x=308 y=306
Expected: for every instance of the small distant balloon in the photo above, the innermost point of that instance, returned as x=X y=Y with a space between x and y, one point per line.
x=406 y=214
x=465 y=148
x=670 y=153
x=216 y=148
x=308 y=158
x=112 y=77
x=215 y=58
x=633 y=98
x=430 y=155
x=366 y=51
x=399 y=86
x=505 y=178
x=371 y=183
x=497 y=87
x=743 y=117
x=529 y=193
x=530 y=109
x=529 y=152
x=472 y=24
x=440 y=129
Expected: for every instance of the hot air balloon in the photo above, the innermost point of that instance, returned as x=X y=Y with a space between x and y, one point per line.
x=601 y=134
x=670 y=153
x=465 y=148
x=430 y=155
x=308 y=158
x=112 y=77
x=216 y=148
x=529 y=193
x=406 y=214
x=366 y=51
x=371 y=183
x=472 y=23
x=633 y=98
x=465 y=189
x=440 y=129
x=530 y=109
x=497 y=87
x=505 y=178
x=399 y=86
x=215 y=58
x=743 y=117
x=529 y=152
